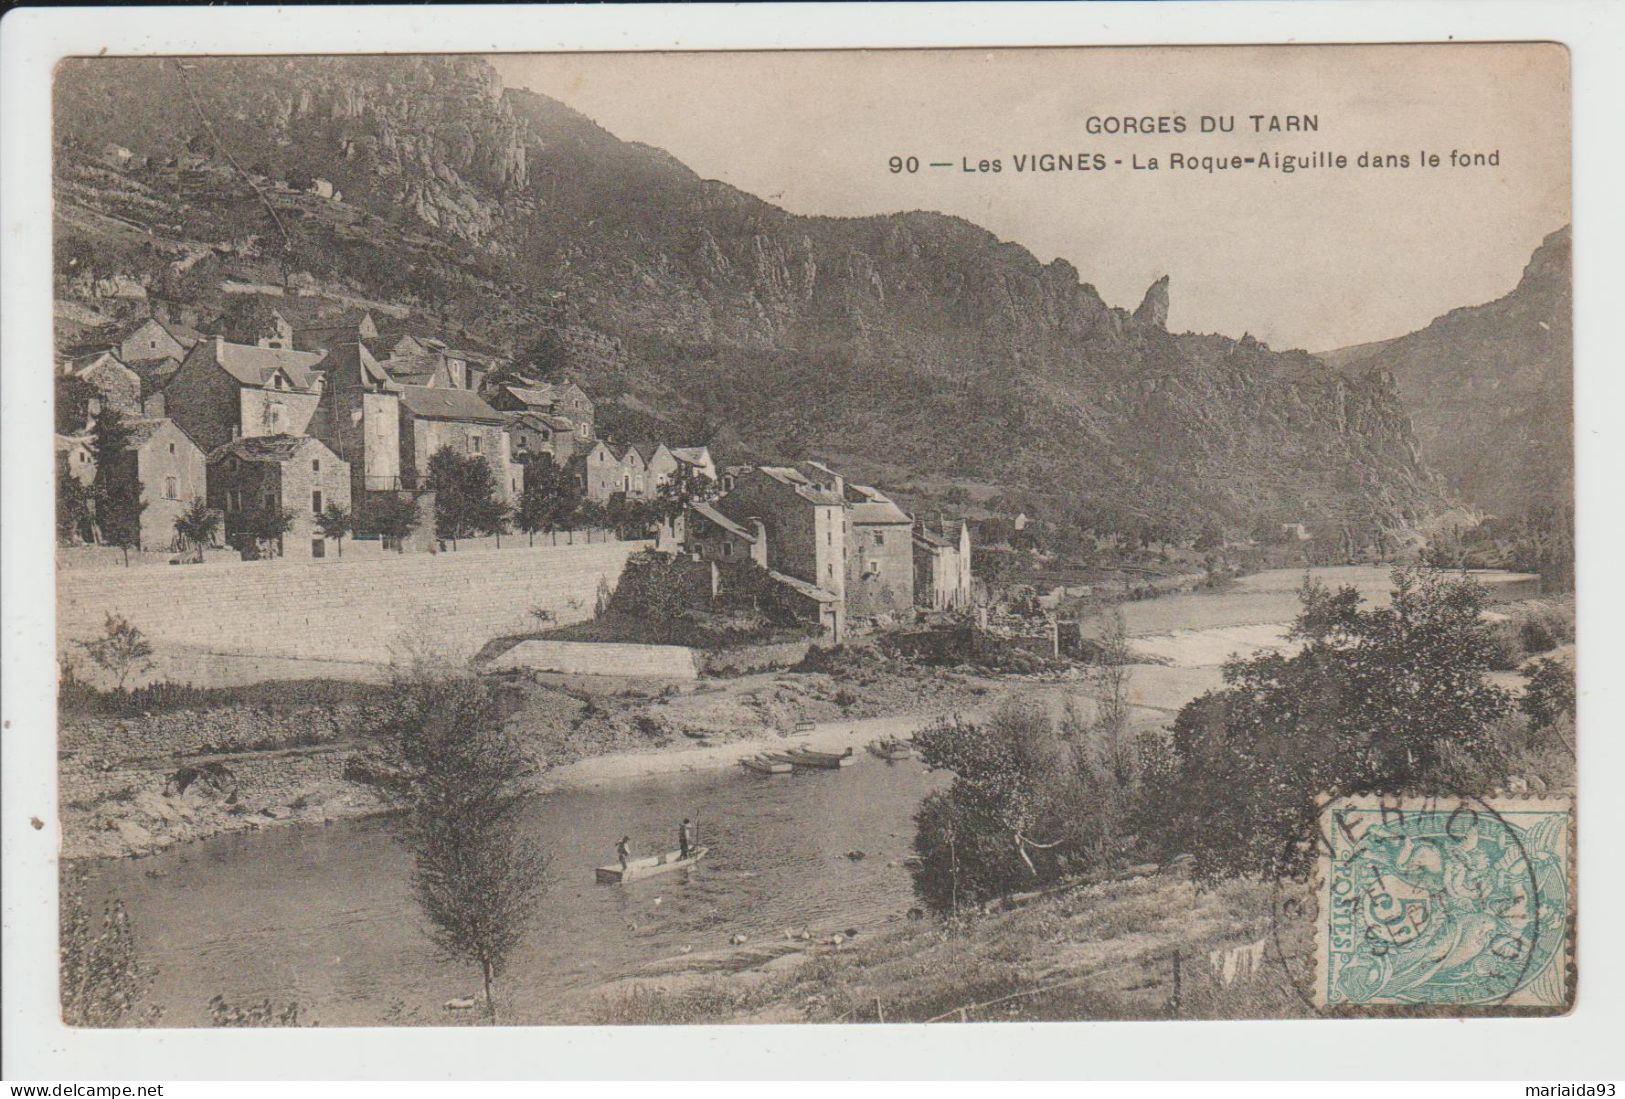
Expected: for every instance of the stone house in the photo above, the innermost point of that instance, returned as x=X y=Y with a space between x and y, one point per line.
x=803 y=514
x=172 y=472
x=118 y=387
x=359 y=418
x=432 y=418
x=324 y=337
x=533 y=433
x=251 y=475
x=143 y=340
x=599 y=469
x=942 y=564
x=564 y=399
x=880 y=557
x=710 y=535
x=697 y=458
x=225 y=391
x=76 y=458
x=266 y=327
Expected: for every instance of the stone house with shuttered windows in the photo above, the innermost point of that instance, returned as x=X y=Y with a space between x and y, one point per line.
x=251 y=476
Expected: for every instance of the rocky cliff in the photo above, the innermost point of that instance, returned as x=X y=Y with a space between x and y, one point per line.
x=914 y=348
x=1490 y=389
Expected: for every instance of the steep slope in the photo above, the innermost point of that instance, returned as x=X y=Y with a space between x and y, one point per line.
x=914 y=348
x=1491 y=389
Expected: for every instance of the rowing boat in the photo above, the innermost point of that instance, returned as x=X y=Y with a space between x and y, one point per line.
x=766 y=764
x=648 y=866
x=806 y=757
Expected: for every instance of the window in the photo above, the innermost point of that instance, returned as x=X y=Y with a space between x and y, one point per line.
x=318 y=547
x=234 y=500
x=880 y=538
x=172 y=448
x=170 y=492
x=474 y=443
x=315 y=465
x=270 y=501
x=316 y=502
x=727 y=549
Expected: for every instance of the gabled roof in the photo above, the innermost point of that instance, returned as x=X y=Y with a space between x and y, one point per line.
x=538 y=397
x=264 y=448
x=447 y=404
x=91 y=360
x=144 y=429
x=811 y=591
x=254 y=366
x=351 y=366
x=871 y=507
x=803 y=486
x=733 y=527
x=647 y=451
x=692 y=455
x=538 y=420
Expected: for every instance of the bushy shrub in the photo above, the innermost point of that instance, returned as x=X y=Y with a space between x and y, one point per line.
x=1505 y=646
x=1377 y=700
x=1548 y=692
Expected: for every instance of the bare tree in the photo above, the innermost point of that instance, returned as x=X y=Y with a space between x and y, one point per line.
x=122 y=650
x=445 y=756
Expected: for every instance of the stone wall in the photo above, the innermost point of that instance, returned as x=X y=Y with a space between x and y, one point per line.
x=357 y=609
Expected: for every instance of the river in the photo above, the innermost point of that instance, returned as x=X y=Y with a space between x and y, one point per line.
x=323 y=915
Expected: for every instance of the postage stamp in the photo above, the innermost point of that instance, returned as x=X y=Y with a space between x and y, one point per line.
x=1445 y=901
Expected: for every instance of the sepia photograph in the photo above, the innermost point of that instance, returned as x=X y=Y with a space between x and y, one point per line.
x=814 y=536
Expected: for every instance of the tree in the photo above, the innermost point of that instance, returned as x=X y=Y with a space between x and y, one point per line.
x=1378 y=700
x=551 y=498
x=122 y=650
x=198 y=525
x=248 y=319
x=465 y=495
x=996 y=828
x=545 y=358
x=683 y=489
x=73 y=399
x=103 y=984
x=443 y=753
x=73 y=507
x=1548 y=693
x=116 y=490
x=395 y=517
x=267 y=526
x=336 y=523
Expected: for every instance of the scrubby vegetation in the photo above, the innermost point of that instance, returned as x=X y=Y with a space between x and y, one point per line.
x=1377 y=699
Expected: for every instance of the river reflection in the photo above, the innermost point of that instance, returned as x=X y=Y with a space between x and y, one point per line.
x=322 y=915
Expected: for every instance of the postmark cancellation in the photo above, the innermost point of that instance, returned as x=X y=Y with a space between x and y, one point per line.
x=1445 y=902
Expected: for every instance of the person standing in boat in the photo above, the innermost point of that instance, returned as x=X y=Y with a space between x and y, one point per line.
x=685 y=838
x=623 y=851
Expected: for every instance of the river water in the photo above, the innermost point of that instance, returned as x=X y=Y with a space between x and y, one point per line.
x=323 y=915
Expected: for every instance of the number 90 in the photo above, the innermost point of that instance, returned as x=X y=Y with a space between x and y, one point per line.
x=903 y=164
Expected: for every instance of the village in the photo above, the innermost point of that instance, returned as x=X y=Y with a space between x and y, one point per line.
x=265 y=439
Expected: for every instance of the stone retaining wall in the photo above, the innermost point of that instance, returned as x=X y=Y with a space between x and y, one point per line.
x=373 y=609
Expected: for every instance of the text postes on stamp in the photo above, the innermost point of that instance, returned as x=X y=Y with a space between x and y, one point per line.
x=1439 y=901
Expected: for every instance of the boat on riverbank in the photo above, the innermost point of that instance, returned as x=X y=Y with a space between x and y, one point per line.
x=891 y=748
x=766 y=764
x=828 y=761
x=649 y=866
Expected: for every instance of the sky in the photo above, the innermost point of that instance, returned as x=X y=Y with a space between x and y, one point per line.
x=1318 y=258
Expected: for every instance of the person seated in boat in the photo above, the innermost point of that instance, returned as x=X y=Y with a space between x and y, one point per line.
x=623 y=851
x=685 y=838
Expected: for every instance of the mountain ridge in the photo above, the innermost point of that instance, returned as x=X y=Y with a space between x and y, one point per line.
x=913 y=347
x=1503 y=369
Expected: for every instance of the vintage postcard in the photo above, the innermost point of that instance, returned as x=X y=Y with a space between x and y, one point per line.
x=886 y=536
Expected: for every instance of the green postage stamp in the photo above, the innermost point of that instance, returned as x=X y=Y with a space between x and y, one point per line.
x=1448 y=902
